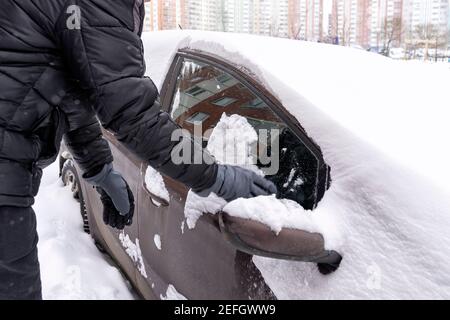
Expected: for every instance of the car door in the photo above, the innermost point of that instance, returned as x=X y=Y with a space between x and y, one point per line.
x=120 y=244
x=198 y=262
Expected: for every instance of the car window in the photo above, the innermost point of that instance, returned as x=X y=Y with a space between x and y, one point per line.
x=205 y=96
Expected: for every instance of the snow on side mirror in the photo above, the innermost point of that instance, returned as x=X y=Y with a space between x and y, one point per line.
x=255 y=238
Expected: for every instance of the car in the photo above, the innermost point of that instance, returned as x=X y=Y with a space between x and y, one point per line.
x=214 y=260
x=363 y=175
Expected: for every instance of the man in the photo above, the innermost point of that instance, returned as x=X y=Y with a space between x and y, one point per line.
x=63 y=65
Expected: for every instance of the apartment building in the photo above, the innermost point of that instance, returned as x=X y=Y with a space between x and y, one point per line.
x=305 y=20
x=367 y=23
x=386 y=21
x=427 y=12
x=203 y=15
x=163 y=15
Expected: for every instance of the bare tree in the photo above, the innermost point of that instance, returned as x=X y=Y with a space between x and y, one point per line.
x=296 y=32
x=391 y=32
x=345 y=33
x=274 y=29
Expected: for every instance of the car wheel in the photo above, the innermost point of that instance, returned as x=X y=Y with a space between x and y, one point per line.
x=70 y=178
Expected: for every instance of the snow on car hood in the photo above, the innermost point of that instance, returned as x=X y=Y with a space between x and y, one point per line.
x=382 y=127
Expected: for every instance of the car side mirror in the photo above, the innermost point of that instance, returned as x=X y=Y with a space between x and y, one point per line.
x=255 y=238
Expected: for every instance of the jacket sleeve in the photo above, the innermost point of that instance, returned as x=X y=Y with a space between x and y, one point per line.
x=84 y=137
x=101 y=44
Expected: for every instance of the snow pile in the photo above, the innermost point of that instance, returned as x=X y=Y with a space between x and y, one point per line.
x=71 y=265
x=232 y=140
x=382 y=127
x=155 y=184
x=134 y=252
x=172 y=294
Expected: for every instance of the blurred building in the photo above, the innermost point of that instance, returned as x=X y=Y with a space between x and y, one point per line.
x=366 y=23
x=263 y=17
x=305 y=20
x=203 y=15
x=386 y=22
x=163 y=14
x=427 y=12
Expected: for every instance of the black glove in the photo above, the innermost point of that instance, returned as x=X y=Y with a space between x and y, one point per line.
x=116 y=196
x=111 y=216
x=235 y=182
x=114 y=185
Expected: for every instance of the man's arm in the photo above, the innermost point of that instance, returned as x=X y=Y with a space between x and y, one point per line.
x=101 y=43
x=84 y=136
x=92 y=154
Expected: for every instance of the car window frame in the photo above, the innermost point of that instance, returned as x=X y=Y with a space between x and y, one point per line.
x=245 y=77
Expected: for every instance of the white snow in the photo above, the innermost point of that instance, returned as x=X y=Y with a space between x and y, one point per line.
x=183 y=224
x=231 y=141
x=157 y=241
x=172 y=294
x=133 y=249
x=155 y=184
x=382 y=127
x=72 y=268
x=196 y=206
x=279 y=214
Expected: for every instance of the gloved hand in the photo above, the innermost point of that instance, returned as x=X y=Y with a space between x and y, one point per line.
x=116 y=196
x=235 y=182
x=111 y=216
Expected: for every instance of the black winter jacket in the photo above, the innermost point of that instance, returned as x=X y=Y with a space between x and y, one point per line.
x=62 y=64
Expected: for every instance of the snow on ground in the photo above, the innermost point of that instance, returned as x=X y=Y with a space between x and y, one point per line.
x=382 y=127
x=72 y=268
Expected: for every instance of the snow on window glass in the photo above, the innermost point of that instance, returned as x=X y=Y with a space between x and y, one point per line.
x=232 y=141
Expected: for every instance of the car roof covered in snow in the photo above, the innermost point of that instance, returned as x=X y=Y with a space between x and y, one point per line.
x=401 y=108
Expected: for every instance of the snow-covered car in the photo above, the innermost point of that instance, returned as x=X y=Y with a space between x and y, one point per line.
x=363 y=172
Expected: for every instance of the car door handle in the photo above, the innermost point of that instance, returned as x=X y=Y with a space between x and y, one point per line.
x=156 y=201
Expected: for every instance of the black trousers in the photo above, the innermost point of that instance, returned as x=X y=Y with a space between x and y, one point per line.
x=19 y=266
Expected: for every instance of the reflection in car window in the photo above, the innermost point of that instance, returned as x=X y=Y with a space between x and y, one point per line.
x=204 y=93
